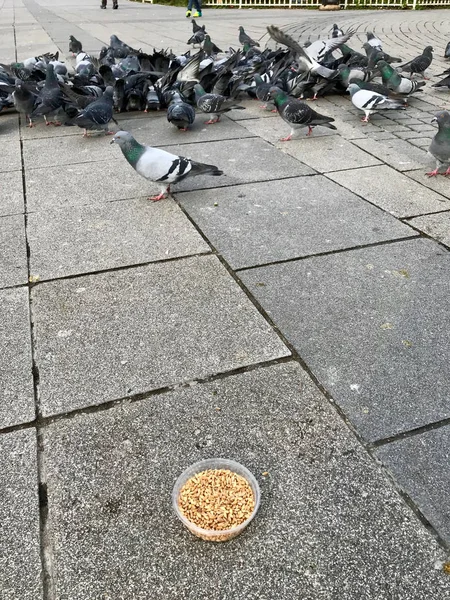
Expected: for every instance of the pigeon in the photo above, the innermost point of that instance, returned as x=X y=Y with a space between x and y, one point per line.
x=297 y=113
x=443 y=83
x=158 y=165
x=245 y=39
x=396 y=82
x=209 y=47
x=447 y=51
x=24 y=100
x=97 y=114
x=336 y=32
x=378 y=88
x=213 y=104
x=196 y=27
x=179 y=113
x=121 y=50
x=374 y=41
x=74 y=45
x=197 y=38
x=50 y=98
x=262 y=89
x=369 y=102
x=440 y=144
x=419 y=64
x=152 y=101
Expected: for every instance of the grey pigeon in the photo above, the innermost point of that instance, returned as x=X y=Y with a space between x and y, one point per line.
x=440 y=144
x=24 y=100
x=74 y=45
x=197 y=38
x=97 y=114
x=179 y=113
x=374 y=41
x=158 y=165
x=447 y=51
x=419 y=64
x=246 y=40
x=209 y=47
x=213 y=104
x=336 y=32
x=50 y=98
x=121 y=50
x=396 y=82
x=297 y=113
x=370 y=102
x=196 y=27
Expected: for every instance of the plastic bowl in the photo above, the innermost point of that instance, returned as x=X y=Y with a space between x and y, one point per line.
x=211 y=535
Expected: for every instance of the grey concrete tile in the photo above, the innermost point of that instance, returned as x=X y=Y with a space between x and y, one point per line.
x=67 y=150
x=406 y=135
x=13 y=252
x=320 y=492
x=11 y=160
x=242 y=161
x=20 y=563
x=142 y=329
x=396 y=153
x=9 y=126
x=423 y=142
x=82 y=184
x=420 y=466
x=396 y=193
x=438 y=184
x=437 y=226
x=275 y=129
x=115 y=234
x=265 y=222
x=327 y=154
x=159 y=132
x=11 y=193
x=372 y=325
x=16 y=381
x=252 y=110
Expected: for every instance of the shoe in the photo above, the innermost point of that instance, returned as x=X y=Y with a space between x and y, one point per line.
x=103 y=6
x=188 y=14
x=198 y=14
x=115 y=6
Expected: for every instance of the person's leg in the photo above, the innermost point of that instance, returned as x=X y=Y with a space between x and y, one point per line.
x=198 y=7
x=115 y=4
x=189 y=8
x=103 y=4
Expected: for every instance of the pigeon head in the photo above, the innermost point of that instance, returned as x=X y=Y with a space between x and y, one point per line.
x=109 y=91
x=428 y=50
x=353 y=88
x=122 y=138
x=241 y=29
x=442 y=118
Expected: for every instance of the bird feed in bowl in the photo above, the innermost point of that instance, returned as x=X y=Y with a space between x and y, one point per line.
x=216 y=504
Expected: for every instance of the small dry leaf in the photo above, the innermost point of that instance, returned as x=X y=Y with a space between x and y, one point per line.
x=446 y=568
x=265 y=473
x=387 y=326
x=34 y=278
x=407 y=343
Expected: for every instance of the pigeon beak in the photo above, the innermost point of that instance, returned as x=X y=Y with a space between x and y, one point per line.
x=112 y=141
x=433 y=120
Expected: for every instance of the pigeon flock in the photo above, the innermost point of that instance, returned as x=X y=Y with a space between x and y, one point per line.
x=211 y=81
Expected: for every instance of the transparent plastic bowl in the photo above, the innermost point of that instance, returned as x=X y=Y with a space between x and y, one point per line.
x=211 y=535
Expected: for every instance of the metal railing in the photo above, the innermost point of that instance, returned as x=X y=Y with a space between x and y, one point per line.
x=411 y=4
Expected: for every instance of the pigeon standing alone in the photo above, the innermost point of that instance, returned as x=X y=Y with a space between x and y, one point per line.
x=209 y=46
x=440 y=144
x=213 y=104
x=245 y=39
x=419 y=64
x=158 y=165
x=369 y=102
x=24 y=100
x=74 y=45
x=297 y=113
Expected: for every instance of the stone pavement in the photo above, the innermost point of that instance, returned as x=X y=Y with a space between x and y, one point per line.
x=294 y=318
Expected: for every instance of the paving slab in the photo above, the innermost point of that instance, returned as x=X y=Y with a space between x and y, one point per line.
x=242 y=161
x=438 y=184
x=67 y=150
x=9 y=125
x=84 y=184
x=265 y=222
x=11 y=193
x=20 y=563
x=396 y=153
x=328 y=153
x=436 y=226
x=392 y=191
x=11 y=160
x=372 y=325
x=315 y=530
x=275 y=129
x=143 y=329
x=13 y=252
x=252 y=110
x=92 y=238
x=420 y=465
x=16 y=381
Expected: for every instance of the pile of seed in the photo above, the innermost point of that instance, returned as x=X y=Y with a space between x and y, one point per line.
x=216 y=499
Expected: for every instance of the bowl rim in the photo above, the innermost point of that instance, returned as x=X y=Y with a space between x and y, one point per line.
x=230 y=464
